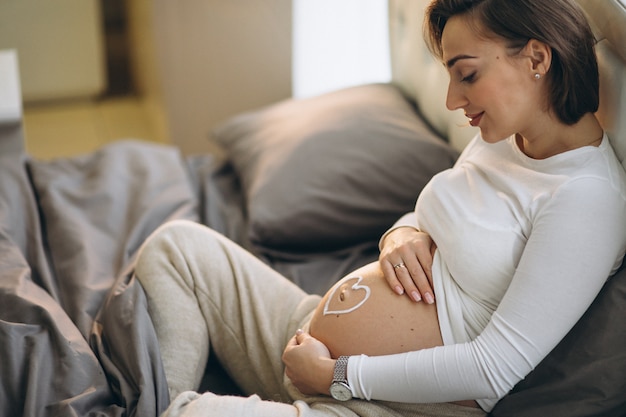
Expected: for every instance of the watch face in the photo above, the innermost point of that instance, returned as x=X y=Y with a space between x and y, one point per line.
x=340 y=391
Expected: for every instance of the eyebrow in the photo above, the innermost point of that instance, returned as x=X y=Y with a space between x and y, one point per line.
x=450 y=63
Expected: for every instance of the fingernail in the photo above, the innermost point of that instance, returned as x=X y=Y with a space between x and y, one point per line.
x=416 y=296
x=399 y=290
x=429 y=298
x=299 y=332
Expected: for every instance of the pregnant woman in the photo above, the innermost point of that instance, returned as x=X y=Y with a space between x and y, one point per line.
x=527 y=225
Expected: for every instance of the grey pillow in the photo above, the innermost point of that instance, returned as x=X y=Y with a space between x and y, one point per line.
x=327 y=172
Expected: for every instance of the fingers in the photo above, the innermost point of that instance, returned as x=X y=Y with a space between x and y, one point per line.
x=406 y=261
x=302 y=358
x=410 y=276
x=390 y=275
x=415 y=281
x=299 y=336
x=408 y=280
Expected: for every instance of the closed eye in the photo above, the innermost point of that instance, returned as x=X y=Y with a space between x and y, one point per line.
x=469 y=79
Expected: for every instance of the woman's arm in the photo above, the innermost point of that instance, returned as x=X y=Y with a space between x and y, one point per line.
x=573 y=247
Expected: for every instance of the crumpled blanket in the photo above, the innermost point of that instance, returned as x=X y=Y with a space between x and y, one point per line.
x=75 y=335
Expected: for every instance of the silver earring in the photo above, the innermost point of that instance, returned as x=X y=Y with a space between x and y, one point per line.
x=537 y=76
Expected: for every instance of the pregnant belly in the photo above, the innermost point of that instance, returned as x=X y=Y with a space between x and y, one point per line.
x=362 y=315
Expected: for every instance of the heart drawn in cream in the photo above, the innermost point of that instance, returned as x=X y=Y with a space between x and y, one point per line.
x=344 y=305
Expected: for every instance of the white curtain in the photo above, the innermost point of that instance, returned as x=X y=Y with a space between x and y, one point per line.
x=339 y=43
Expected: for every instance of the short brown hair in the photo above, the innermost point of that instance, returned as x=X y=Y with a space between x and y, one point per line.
x=561 y=24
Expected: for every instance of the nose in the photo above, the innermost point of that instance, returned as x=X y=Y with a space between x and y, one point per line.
x=455 y=98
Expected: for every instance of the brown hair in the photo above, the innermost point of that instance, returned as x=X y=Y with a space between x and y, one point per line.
x=573 y=76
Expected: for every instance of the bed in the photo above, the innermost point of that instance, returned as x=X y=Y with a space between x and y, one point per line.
x=307 y=185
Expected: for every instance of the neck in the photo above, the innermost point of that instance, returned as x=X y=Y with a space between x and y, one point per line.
x=556 y=138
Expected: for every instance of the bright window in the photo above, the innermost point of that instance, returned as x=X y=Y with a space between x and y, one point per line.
x=339 y=43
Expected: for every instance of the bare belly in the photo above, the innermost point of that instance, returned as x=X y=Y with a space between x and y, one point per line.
x=362 y=315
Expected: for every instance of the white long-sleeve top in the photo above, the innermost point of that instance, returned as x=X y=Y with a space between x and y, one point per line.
x=523 y=248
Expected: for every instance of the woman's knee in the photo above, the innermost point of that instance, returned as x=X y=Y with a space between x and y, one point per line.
x=185 y=251
x=175 y=235
x=175 y=230
x=165 y=245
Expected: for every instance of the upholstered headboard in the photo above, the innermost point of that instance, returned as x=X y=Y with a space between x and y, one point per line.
x=608 y=19
x=424 y=79
x=420 y=76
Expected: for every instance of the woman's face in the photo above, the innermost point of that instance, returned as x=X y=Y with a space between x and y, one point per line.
x=497 y=91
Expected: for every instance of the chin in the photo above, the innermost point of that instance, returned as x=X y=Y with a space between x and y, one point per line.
x=490 y=138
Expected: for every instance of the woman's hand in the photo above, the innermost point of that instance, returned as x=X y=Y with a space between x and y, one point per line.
x=406 y=259
x=308 y=364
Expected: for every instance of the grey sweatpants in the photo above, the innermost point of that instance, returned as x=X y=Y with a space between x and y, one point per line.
x=205 y=292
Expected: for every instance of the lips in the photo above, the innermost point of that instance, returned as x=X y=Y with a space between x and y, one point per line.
x=474 y=119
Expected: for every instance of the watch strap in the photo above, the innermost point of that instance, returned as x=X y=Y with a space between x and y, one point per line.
x=340 y=373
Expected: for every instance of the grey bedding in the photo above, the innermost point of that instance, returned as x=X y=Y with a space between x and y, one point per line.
x=75 y=336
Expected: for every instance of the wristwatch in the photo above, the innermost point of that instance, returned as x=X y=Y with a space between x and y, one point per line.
x=339 y=388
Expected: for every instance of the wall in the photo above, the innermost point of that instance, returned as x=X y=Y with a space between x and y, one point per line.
x=198 y=62
x=59 y=45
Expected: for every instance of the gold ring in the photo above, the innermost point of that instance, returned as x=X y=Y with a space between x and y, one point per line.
x=400 y=265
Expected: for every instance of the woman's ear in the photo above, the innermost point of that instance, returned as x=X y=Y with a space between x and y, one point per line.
x=540 y=56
